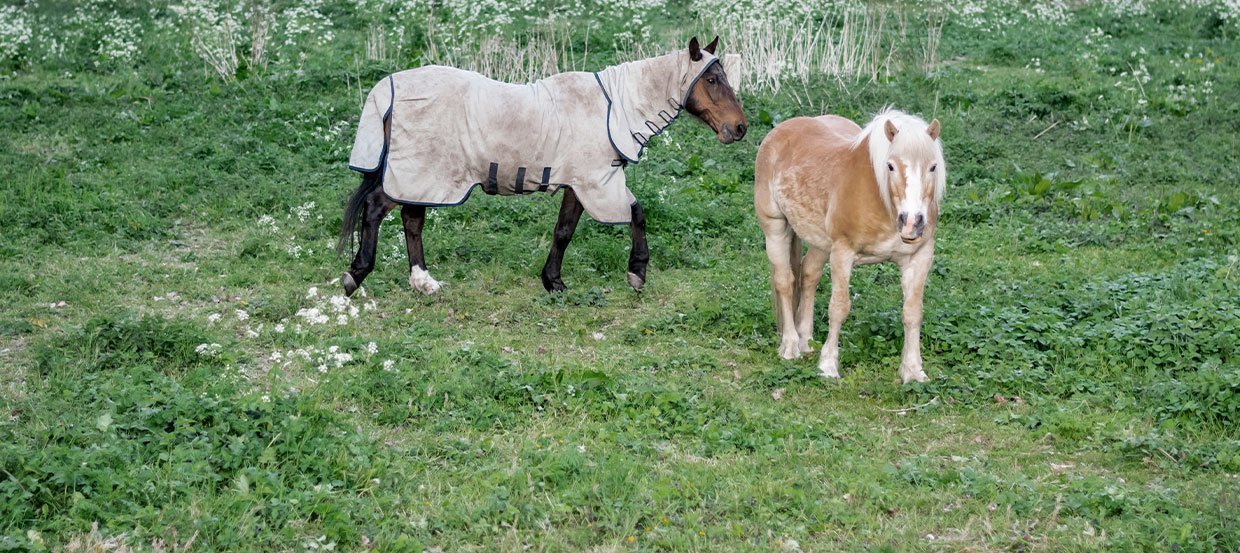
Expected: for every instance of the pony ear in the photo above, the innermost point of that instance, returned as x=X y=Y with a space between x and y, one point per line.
x=934 y=129
x=711 y=47
x=695 y=51
x=891 y=130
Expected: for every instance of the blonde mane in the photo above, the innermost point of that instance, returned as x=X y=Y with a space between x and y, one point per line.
x=880 y=149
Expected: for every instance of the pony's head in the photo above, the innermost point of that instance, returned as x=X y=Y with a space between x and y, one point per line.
x=712 y=99
x=909 y=167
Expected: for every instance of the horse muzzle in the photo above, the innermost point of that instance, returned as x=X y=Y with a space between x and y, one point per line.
x=731 y=133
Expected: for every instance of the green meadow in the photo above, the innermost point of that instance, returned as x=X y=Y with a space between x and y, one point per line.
x=179 y=372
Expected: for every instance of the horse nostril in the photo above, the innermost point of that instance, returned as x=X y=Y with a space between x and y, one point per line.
x=901 y=220
x=740 y=130
x=921 y=221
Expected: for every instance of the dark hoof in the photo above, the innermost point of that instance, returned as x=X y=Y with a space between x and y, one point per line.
x=635 y=281
x=350 y=285
x=552 y=284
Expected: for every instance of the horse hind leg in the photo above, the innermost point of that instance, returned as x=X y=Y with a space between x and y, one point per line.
x=413 y=218
x=374 y=206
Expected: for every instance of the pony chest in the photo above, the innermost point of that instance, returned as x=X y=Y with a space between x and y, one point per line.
x=889 y=249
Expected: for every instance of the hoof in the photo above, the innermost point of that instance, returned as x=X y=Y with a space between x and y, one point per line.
x=828 y=368
x=913 y=376
x=635 y=281
x=420 y=279
x=788 y=349
x=350 y=285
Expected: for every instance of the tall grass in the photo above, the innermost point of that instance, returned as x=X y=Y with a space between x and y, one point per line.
x=777 y=52
x=549 y=50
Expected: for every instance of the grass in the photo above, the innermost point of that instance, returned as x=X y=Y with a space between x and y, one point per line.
x=163 y=377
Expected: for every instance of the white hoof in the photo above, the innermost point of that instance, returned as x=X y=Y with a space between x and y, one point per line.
x=788 y=348
x=805 y=346
x=421 y=281
x=635 y=281
x=829 y=368
x=910 y=375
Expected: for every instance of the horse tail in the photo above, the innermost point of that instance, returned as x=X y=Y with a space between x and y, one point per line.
x=369 y=155
x=353 y=210
x=794 y=263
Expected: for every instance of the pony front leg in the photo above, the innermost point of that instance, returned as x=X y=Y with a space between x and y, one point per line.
x=811 y=274
x=639 y=254
x=913 y=281
x=841 y=272
x=565 y=226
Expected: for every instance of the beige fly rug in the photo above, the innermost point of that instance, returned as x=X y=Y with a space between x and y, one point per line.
x=452 y=130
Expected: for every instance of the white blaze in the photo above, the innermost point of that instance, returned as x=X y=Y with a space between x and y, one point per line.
x=914 y=202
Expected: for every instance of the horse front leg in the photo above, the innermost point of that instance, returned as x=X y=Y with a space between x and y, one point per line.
x=414 y=217
x=375 y=207
x=841 y=272
x=639 y=254
x=913 y=275
x=565 y=226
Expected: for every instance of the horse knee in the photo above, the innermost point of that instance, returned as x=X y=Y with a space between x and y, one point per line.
x=563 y=235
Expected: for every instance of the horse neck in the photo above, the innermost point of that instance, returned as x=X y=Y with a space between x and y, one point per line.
x=648 y=84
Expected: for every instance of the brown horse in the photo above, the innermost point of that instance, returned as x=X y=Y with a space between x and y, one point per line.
x=855 y=196
x=429 y=136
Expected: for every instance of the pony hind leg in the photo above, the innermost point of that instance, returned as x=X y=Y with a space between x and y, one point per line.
x=413 y=217
x=565 y=226
x=372 y=205
x=639 y=254
x=779 y=241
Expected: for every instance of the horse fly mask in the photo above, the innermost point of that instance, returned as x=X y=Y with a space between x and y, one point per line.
x=452 y=130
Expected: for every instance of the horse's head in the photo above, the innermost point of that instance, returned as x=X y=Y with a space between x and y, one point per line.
x=916 y=176
x=712 y=99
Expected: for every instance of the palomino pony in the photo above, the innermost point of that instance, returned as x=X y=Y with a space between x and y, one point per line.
x=429 y=136
x=855 y=196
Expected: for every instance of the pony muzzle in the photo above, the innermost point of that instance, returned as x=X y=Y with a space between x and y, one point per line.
x=910 y=230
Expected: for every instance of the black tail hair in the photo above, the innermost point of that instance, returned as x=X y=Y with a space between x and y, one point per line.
x=353 y=211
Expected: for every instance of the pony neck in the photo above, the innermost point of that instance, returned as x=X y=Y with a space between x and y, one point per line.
x=872 y=154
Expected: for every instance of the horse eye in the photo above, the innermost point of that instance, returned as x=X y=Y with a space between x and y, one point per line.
x=711 y=80
x=933 y=167
x=890 y=167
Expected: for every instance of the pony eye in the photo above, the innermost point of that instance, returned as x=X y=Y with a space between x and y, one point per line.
x=890 y=167
x=711 y=80
x=933 y=167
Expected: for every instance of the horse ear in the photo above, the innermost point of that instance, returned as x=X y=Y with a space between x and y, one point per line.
x=695 y=51
x=711 y=47
x=891 y=130
x=934 y=129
